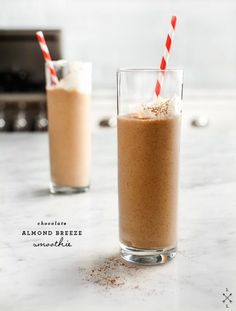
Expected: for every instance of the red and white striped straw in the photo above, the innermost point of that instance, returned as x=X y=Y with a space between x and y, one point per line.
x=47 y=56
x=165 y=56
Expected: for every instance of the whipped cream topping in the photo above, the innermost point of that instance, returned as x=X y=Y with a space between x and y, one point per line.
x=78 y=76
x=160 y=108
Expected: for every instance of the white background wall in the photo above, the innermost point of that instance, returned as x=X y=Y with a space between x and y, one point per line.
x=118 y=33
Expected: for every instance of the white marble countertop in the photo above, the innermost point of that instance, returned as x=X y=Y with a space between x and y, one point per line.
x=51 y=278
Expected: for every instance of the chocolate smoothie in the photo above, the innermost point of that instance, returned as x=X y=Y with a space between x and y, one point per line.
x=69 y=137
x=148 y=156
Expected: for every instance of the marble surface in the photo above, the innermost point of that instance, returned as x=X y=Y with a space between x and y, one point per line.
x=54 y=278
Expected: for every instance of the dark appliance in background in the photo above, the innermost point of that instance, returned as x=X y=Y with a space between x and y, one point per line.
x=22 y=79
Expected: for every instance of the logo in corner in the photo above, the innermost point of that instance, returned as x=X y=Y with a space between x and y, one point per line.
x=227 y=298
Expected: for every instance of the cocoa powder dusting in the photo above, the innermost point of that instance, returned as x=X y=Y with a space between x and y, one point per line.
x=161 y=110
x=109 y=273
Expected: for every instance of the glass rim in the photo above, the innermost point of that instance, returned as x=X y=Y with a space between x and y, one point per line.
x=151 y=69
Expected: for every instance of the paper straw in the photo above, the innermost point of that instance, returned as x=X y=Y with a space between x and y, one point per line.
x=47 y=56
x=165 y=57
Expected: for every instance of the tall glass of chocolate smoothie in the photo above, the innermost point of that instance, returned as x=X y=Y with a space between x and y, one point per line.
x=148 y=163
x=68 y=103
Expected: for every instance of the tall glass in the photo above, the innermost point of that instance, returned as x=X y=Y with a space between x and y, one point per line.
x=68 y=104
x=148 y=163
